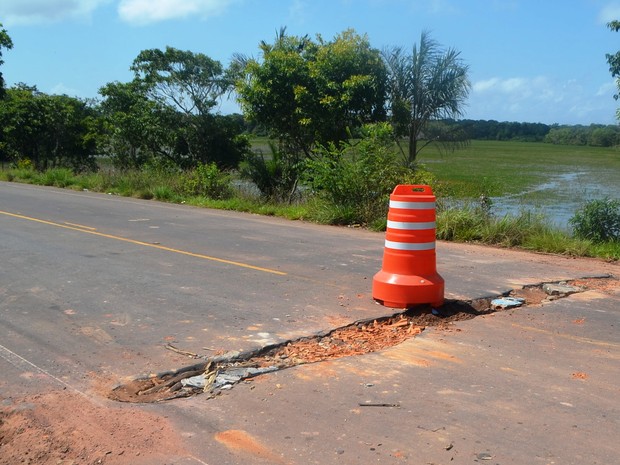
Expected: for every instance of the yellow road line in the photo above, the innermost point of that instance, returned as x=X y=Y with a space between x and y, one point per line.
x=81 y=226
x=88 y=230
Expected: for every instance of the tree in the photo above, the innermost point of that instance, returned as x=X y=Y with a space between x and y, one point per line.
x=185 y=86
x=134 y=129
x=614 y=61
x=49 y=130
x=350 y=78
x=190 y=82
x=7 y=43
x=603 y=136
x=429 y=84
x=308 y=91
x=268 y=93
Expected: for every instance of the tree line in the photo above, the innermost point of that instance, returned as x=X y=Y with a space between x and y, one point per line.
x=594 y=135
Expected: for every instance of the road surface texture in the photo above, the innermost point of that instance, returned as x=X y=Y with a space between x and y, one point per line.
x=97 y=290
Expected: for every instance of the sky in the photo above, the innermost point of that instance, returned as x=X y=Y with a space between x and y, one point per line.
x=537 y=61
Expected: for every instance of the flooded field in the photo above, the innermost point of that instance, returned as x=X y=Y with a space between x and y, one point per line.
x=546 y=179
x=561 y=196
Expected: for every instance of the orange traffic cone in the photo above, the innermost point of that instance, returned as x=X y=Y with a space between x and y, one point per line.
x=409 y=274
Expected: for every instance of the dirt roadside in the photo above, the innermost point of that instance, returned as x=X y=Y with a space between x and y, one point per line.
x=64 y=427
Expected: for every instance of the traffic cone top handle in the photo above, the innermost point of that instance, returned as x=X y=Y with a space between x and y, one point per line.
x=412 y=189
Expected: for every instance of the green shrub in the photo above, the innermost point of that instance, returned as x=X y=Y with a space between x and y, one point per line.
x=325 y=212
x=275 y=176
x=473 y=223
x=208 y=181
x=355 y=180
x=90 y=181
x=24 y=164
x=164 y=193
x=606 y=250
x=58 y=177
x=598 y=221
x=144 y=194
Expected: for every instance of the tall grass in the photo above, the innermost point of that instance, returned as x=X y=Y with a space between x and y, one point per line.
x=533 y=232
x=460 y=224
x=57 y=177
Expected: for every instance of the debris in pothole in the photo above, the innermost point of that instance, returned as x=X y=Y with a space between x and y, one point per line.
x=224 y=371
x=356 y=339
x=209 y=377
x=179 y=351
x=560 y=289
x=215 y=380
x=507 y=302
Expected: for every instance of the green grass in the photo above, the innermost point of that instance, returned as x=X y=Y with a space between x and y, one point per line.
x=606 y=250
x=260 y=145
x=500 y=168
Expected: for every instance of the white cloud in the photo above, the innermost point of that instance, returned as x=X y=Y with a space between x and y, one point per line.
x=607 y=89
x=61 y=89
x=482 y=86
x=513 y=85
x=517 y=87
x=14 y=12
x=141 y=12
x=609 y=12
x=541 y=99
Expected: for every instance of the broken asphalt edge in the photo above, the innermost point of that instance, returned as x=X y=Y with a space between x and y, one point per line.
x=241 y=356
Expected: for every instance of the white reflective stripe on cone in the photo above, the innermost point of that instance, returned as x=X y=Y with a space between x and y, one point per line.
x=412 y=205
x=410 y=225
x=409 y=245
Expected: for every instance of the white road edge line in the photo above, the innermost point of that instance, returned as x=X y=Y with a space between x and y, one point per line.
x=18 y=362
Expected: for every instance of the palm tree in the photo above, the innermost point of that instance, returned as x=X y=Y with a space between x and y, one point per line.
x=430 y=84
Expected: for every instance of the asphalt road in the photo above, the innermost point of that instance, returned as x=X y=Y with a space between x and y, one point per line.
x=92 y=287
x=99 y=273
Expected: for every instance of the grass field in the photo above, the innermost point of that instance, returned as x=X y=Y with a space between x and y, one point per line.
x=549 y=180
x=519 y=168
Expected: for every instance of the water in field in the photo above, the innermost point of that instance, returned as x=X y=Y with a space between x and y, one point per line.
x=553 y=180
x=561 y=195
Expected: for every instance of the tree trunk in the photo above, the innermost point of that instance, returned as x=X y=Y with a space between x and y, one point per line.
x=413 y=147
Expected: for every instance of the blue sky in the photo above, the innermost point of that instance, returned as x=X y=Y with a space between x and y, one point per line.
x=530 y=61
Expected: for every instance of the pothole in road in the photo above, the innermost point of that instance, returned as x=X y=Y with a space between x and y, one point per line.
x=216 y=374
